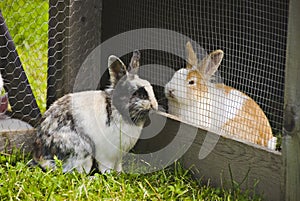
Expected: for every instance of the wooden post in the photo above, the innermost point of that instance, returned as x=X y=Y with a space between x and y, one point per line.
x=291 y=128
x=74 y=31
x=57 y=48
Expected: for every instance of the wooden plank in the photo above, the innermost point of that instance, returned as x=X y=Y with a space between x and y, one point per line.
x=226 y=156
x=9 y=124
x=22 y=139
x=231 y=160
x=291 y=130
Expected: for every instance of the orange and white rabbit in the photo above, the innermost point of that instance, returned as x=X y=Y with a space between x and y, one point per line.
x=216 y=107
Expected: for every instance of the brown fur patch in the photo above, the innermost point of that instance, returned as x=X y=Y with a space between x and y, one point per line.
x=250 y=124
x=200 y=88
x=227 y=89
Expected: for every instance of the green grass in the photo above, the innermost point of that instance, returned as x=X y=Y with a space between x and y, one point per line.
x=20 y=182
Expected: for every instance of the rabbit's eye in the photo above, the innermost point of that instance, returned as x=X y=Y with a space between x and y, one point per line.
x=141 y=93
x=191 y=82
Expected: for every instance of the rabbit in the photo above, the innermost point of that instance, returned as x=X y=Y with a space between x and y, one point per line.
x=214 y=106
x=95 y=128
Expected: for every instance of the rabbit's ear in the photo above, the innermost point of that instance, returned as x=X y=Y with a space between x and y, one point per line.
x=117 y=69
x=134 y=64
x=191 y=55
x=209 y=65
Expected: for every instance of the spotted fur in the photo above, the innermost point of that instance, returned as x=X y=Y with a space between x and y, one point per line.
x=214 y=106
x=101 y=126
x=108 y=109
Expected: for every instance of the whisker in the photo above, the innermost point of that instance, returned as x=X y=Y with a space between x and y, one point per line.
x=136 y=117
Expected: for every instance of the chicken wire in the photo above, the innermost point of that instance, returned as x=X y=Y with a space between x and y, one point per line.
x=46 y=38
x=23 y=52
x=74 y=32
x=251 y=33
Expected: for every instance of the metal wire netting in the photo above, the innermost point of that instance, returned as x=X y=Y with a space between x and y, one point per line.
x=252 y=35
x=74 y=32
x=23 y=54
x=40 y=44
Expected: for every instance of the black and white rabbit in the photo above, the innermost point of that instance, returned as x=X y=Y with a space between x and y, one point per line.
x=96 y=126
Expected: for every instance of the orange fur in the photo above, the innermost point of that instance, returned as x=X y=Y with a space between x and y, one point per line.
x=199 y=89
x=196 y=76
x=250 y=124
x=226 y=89
x=241 y=116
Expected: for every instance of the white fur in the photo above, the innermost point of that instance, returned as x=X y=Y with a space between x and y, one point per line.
x=148 y=87
x=210 y=111
x=272 y=143
x=89 y=125
x=110 y=145
x=195 y=98
x=1 y=83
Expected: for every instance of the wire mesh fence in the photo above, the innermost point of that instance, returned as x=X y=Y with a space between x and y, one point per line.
x=23 y=54
x=43 y=44
x=74 y=31
x=252 y=35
